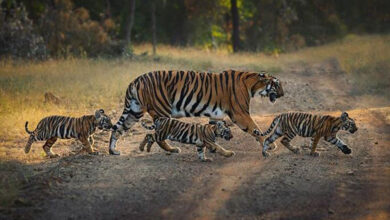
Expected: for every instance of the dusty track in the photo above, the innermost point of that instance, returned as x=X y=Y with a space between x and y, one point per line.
x=285 y=186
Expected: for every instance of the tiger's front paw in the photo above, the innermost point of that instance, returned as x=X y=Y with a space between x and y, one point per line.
x=206 y=160
x=314 y=154
x=114 y=152
x=265 y=154
x=346 y=150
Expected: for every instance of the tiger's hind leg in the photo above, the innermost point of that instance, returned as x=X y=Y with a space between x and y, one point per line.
x=286 y=141
x=47 y=147
x=91 y=141
x=313 y=146
x=213 y=146
x=147 y=140
x=30 y=141
x=164 y=145
x=87 y=146
x=202 y=154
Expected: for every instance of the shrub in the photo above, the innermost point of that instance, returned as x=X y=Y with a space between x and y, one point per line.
x=18 y=38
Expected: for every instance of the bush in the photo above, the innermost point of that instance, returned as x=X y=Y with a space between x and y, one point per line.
x=18 y=38
x=70 y=32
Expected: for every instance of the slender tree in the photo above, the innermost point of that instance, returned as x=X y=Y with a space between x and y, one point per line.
x=154 y=41
x=130 y=21
x=235 y=21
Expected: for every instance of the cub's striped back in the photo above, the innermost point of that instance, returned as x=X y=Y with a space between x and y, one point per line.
x=291 y=124
x=190 y=133
x=51 y=128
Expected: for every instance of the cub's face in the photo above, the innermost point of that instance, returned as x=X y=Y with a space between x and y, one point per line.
x=348 y=123
x=270 y=87
x=103 y=120
x=222 y=130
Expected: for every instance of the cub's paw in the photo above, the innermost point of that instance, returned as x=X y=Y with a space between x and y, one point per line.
x=206 y=160
x=214 y=150
x=141 y=148
x=229 y=153
x=53 y=155
x=272 y=147
x=94 y=153
x=176 y=150
x=265 y=154
x=314 y=154
x=256 y=132
x=296 y=150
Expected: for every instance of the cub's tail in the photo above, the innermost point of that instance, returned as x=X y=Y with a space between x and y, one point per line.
x=149 y=127
x=274 y=123
x=26 y=127
x=31 y=139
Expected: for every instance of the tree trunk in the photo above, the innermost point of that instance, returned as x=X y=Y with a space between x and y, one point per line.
x=108 y=9
x=130 y=21
x=154 y=41
x=235 y=20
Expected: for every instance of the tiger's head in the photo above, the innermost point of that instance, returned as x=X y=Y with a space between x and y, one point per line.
x=102 y=120
x=222 y=130
x=348 y=123
x=267 y=86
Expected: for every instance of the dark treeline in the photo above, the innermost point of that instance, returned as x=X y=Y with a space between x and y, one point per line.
x=59 y=28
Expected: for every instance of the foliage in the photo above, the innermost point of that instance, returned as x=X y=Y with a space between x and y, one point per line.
x=97 y=27
x=72 y=32
x=18 y=37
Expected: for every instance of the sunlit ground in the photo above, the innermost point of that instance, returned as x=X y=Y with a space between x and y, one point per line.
x=87 y=84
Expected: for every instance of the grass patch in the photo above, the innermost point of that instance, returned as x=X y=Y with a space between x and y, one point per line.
x=88 y=84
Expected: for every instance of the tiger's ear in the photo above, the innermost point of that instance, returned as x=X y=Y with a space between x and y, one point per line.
x=344 y=116
x=98 y=113
x=221 y=124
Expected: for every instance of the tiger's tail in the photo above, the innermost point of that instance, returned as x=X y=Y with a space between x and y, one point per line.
x=26 y=127
x=31 y=139
x=149 y=127
x=274 y=123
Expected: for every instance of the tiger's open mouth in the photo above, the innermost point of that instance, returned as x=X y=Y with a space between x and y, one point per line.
x=272 y=97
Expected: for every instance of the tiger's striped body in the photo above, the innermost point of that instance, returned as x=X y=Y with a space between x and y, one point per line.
x=51 y=128
x=188 y=93
x=203 y=136
x=289 y=125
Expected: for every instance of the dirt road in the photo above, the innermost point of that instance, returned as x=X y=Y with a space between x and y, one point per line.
x=178 y=186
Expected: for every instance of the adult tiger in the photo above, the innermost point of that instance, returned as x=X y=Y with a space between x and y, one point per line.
x=187 y=93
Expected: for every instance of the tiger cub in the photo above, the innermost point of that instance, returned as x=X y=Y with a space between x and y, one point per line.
x=203 y=136
x=51 y=128
x=308 y=125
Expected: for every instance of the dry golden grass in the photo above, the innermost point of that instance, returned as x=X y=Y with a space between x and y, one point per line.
x=88 y=84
